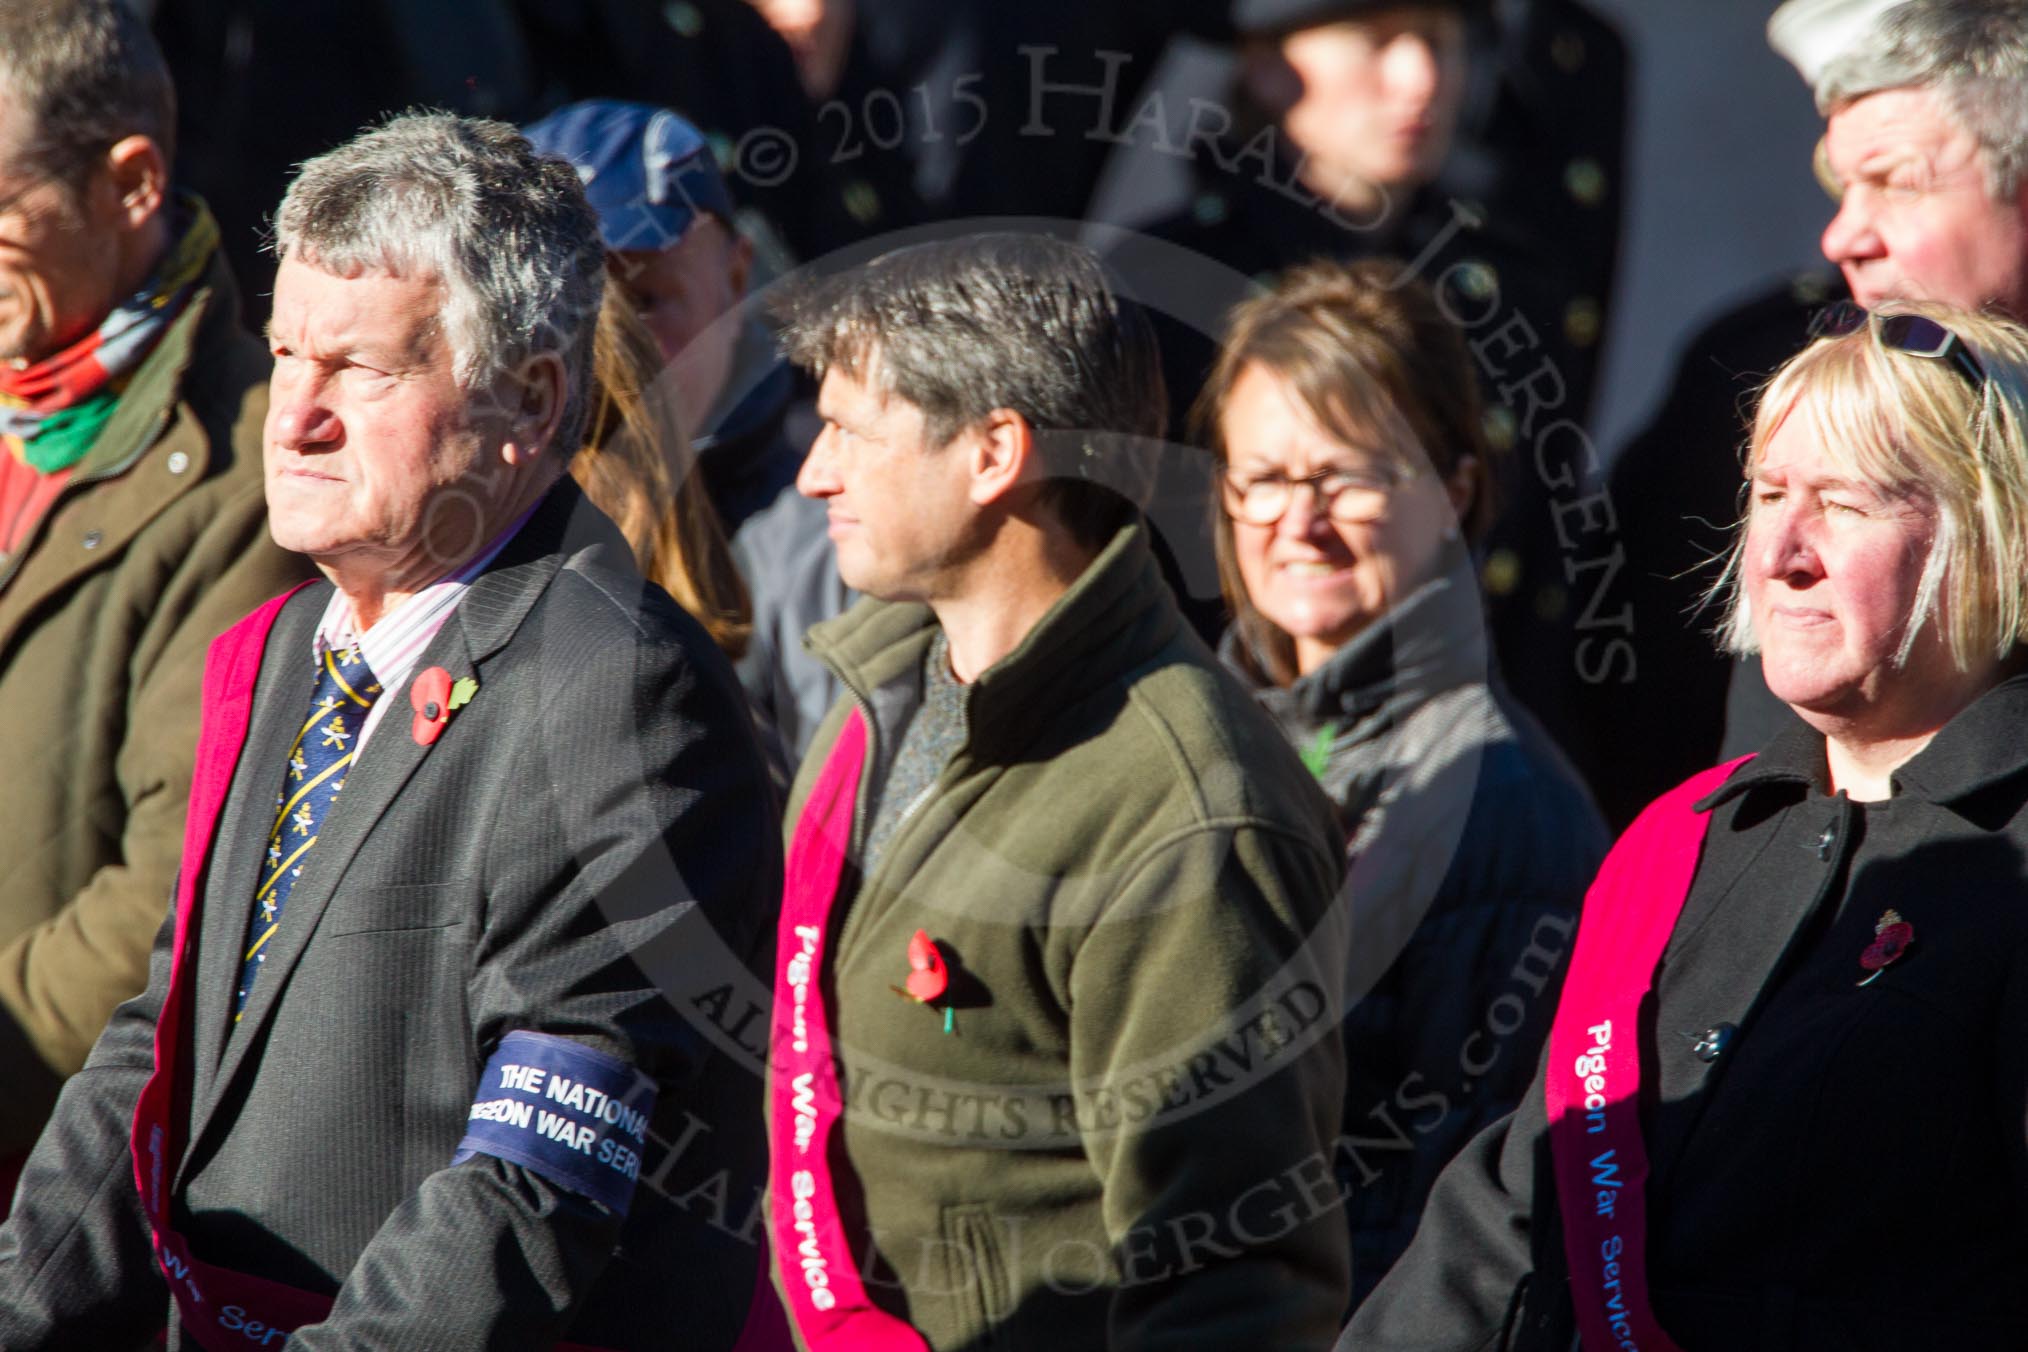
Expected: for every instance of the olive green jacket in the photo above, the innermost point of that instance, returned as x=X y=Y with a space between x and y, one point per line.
x=1115 y=1130
x=157 y=544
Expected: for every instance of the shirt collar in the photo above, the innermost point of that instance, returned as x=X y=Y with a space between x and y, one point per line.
x=406 y=629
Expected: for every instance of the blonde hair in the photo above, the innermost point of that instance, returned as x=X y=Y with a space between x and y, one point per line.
x=637 y=467
x=1914 y=426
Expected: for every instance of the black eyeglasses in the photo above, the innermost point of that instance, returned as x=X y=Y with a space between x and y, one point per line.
x=1347 y=496
x=1916 y=335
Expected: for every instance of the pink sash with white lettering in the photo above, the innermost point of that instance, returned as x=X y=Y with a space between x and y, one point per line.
x=223 y=1310
x=1594 y=1077
x=826 y=1299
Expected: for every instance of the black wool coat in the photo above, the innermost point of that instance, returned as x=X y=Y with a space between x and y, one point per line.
x=1835 y=1165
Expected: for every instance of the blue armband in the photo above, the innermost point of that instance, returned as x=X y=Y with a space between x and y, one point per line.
x=576 y=1116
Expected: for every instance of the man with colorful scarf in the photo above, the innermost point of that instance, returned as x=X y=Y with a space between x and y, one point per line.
x=132 y=527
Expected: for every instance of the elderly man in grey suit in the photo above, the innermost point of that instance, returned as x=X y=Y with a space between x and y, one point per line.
x=473 y=820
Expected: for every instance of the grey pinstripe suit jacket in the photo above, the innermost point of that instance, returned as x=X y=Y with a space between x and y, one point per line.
x=590 y=843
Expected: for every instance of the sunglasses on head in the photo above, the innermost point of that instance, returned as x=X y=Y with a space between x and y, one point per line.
x=1916 y=335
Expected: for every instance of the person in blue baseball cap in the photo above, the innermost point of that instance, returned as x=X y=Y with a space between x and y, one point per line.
x=667 y=222
x=668 y=225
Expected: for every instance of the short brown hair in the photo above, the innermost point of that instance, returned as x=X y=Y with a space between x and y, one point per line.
x=960 y=327
x=1364 y=347
x=83 y=75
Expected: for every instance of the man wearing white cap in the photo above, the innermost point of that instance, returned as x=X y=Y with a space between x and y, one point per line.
x=1925 y=139
x=1924 y=142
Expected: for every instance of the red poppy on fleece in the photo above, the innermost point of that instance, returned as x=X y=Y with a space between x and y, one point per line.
x=929 y=977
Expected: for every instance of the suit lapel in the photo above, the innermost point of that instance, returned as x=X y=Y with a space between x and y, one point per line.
x=371 y=787
x=485 y=619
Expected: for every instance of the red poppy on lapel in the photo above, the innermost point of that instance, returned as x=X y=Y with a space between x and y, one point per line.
x=430 y=697
x=928 y=977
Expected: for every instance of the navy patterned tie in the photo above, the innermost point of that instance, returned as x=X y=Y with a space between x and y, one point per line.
x=318 y=761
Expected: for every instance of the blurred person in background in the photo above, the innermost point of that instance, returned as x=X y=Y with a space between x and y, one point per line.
x=1923 y=149
x=264 y=87
x=336 y=67
x=1800 y=978
x=132 y=528
x=1481 y=144
x=942 y=110
x=633 y=466
x=799 y=191
x=1355 y=477
x=665 y=218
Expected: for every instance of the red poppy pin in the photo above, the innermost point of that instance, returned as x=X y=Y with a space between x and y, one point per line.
x=928 y=976
x=1892 y=937
x=434 y=696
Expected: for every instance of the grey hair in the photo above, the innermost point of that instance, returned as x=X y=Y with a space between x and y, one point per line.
x=961 y=327
x=507 y=233
x=86 y=74
x=1973 y=53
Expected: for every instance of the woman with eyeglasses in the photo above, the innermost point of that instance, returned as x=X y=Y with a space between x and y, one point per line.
x=1353 y=479
x=1785 y=1099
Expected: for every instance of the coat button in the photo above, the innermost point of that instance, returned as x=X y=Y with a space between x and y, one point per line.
x=1581 y=321
x=1826 y=840
x=1716 y=1039
x=92 y=538
x=178 y=462
x=1585 y=179
x=685 y=18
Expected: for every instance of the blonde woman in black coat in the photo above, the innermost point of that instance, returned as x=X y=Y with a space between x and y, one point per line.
x=1785 y=1101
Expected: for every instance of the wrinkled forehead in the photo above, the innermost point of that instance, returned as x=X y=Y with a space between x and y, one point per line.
x=357 y=305
x=1910 y=122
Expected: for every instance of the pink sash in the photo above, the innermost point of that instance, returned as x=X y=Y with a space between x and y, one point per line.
x=826 y=1299
x=223 y=1310
x=1594 y=1077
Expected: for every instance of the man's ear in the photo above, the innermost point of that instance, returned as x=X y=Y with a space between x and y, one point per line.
x=1002 y=455
x=534 y=397
x=738 y=263
x=137 y=176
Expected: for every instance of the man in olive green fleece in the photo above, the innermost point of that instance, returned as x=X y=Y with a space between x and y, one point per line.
x=1055 y=1059
x=132 y=528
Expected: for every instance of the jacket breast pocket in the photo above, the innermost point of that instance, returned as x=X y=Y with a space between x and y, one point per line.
x=396 y=907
